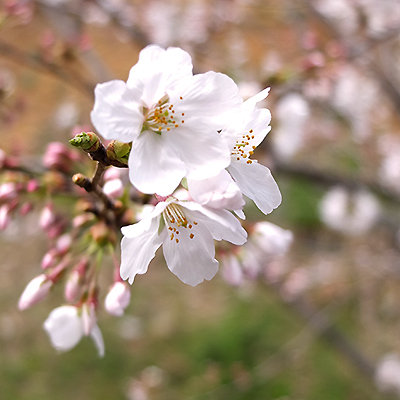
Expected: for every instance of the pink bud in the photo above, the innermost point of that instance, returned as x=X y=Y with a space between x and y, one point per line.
x=26 y=208
x=5 y=217
x=49 y=259
x=118 y=298
x=32 y=186
x=8 y=191
x=3 y=158
x=114 y=188
x=232 y=271
x=112 y=173
x=72 y=286
x=35 y=291
x=57 y=157
x=63 y=243
x=82 y=219
x=47 y=217
x=88 y=317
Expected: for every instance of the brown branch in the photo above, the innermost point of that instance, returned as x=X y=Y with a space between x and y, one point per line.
x=35 y=62
x=387 y=83
x=325 y=178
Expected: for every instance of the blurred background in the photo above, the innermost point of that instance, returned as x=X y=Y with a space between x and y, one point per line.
x=321 y=319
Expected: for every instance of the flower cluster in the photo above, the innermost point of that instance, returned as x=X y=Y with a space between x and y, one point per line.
x=193 y=133
x=186 y=143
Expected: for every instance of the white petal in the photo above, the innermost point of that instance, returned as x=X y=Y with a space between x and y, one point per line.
x=207 y=99
x=258 y=122
x=98 y=340
x=64 y=327
x=191 y=260
x=219 y=191
x=250 y=103
x=154 y=166
x=257 y=183
x=158 y=70
x=204 y=152
x=222 y=224
x=117 y=112
x=139 y=247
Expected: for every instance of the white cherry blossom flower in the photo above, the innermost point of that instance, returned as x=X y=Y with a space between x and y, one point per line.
x=65 y=326
x=244 y=134
x=187 y=231
x=171 y=117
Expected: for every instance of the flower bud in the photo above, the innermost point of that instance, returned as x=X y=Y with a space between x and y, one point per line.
x=8 y=191
x=26 y=208
x=47 y=217
x=114 y=188
x=82 y=219
x=112 y=173
x=119 y=151
x=32 y=186
x=3 y=158
x=57 y=156
x=231 y=270
x=88 y=317
x=87 y=141
x=117 y=299
x=75 y=280
x=63 y=243
x=35 y=291
x=72 y=286
x=5 y=216
x=49 y=259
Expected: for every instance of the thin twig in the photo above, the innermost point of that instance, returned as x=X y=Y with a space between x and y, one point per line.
x=24 y=58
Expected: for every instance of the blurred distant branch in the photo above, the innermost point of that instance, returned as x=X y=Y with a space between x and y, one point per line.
x=322 y=326
x=356 y=50
x=134 y=33
x=35 y=62
x=325 y=178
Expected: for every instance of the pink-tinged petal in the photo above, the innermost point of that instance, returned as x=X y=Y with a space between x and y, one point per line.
x=154 y=166
x=138 y=247
x=222 y=224
x=231 y=270
x=256 y=182
x=117 y=112
x=64 y=327
x=190 y=255
x=98 y=340
x=219 y=191
x=159 y=69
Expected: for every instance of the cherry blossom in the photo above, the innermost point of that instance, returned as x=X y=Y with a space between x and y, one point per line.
x=171 y=117
x=244 y=134
x=187 y=231
x=66 y=325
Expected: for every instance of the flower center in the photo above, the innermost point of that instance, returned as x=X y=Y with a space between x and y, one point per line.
x=162 y=116
x=176 y=221
x=242 y=147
